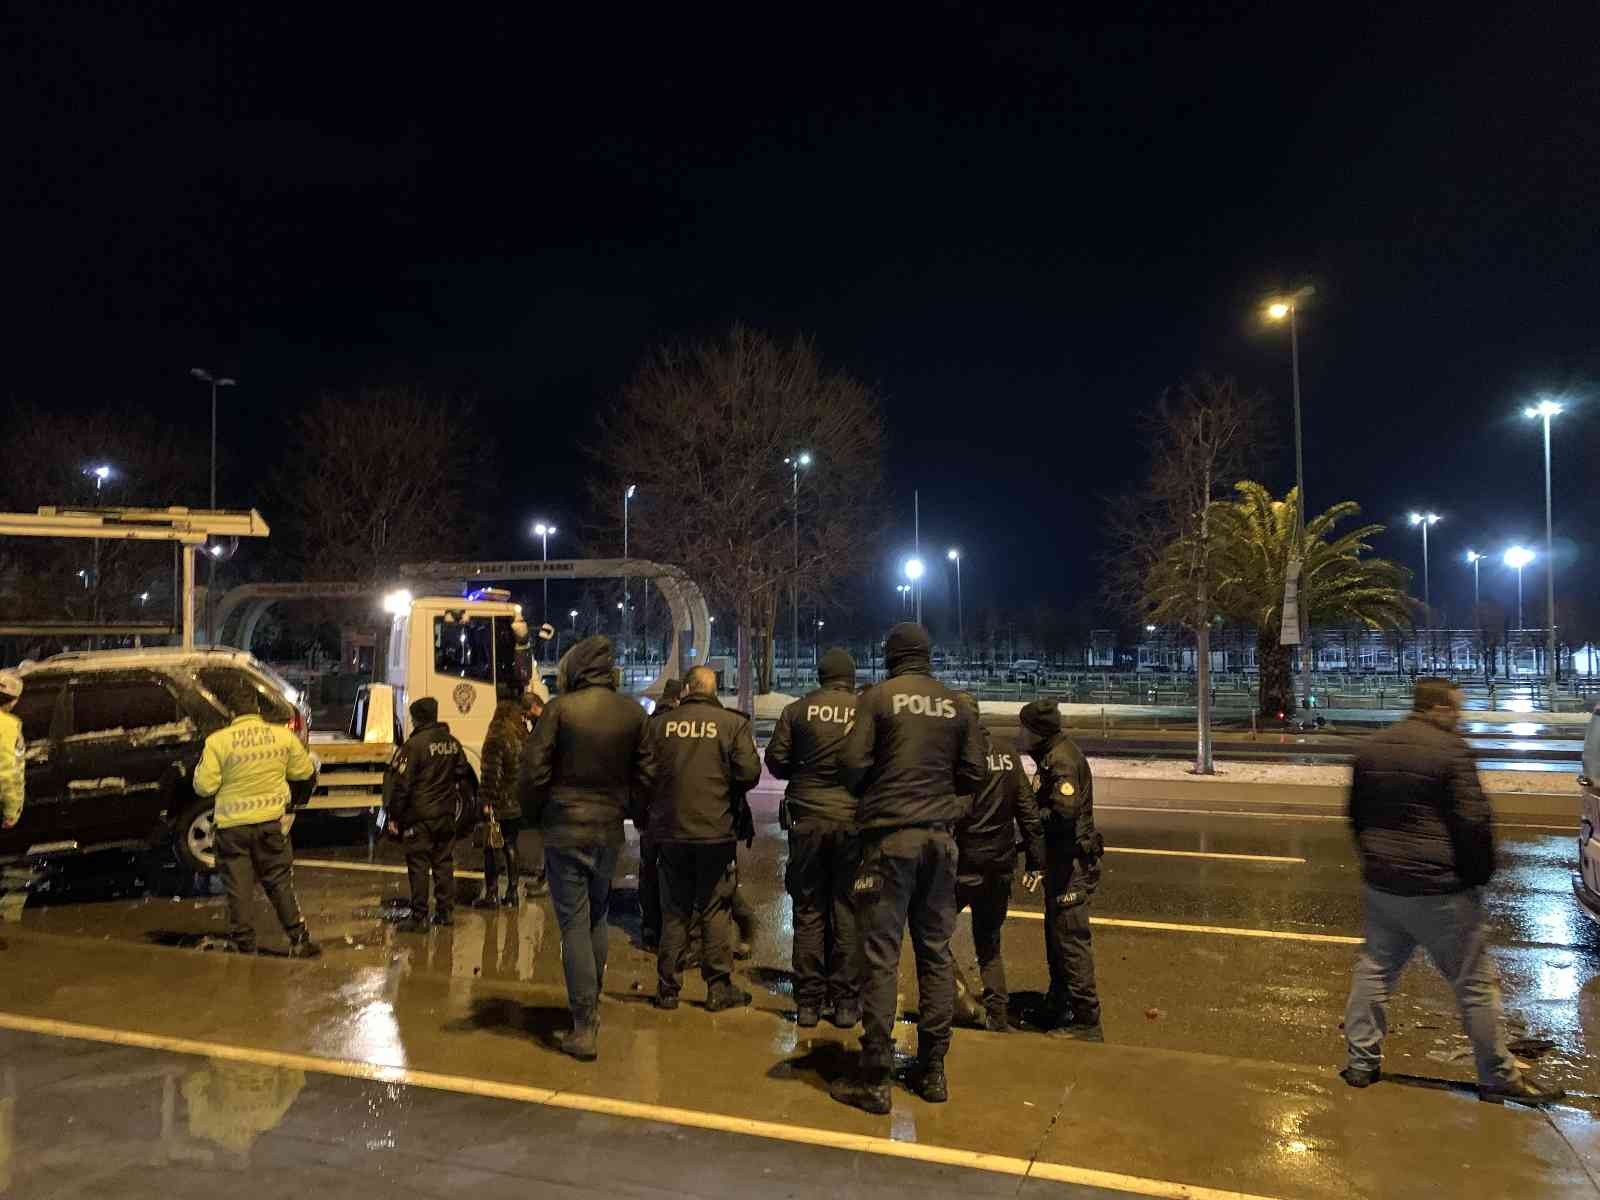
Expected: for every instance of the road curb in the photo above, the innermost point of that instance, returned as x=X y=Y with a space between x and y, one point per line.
x=1223 y=794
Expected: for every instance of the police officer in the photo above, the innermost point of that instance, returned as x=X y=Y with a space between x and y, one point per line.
x=824 y=844
x=986 y=840
x=694 y=767
x=256 y=770
x=914 y=758
x=13 y=750
x=430 y=784
x=1073 y=849
x=649 y=877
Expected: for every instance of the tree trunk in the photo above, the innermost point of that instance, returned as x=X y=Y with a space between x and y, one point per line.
x=1203 y=764
x=1276 y=696
x=746 y=675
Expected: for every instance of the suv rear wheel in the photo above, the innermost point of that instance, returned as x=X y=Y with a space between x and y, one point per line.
x=196 y=841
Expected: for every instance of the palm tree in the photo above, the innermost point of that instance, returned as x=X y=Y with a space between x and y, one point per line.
x=1340 y=582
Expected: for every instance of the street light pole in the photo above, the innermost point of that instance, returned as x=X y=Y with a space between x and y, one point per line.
x=1547 y=409
x=543 y=532
x=205 y=376
x=627 y=611
x=1517 y=557
x=1425 y=519
x=1476 y=560
x=797 y=460
x=954 y=555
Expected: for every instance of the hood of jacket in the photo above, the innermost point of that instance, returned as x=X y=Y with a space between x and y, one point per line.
x=588 y=664
x=908 y=650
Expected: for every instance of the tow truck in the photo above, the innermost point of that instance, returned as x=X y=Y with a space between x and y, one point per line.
x=466 y=652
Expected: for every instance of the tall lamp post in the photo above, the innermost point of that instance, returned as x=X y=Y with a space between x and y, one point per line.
x=1544 y=410
x=627 y=612
x=542 y=530
x=801 y=458
x=954 y=555
x=1475 y=560
x=915 y=569
x=904 y=589
x=1280 y=309
x=1517 y=557
x=215 y=382
x=1426 y=519
x=100 y=474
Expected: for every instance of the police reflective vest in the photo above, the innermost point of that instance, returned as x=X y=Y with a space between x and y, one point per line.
x=12 y=753
x=247 y=766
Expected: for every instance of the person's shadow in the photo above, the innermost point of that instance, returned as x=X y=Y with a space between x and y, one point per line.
x=506 y=1016
x=823 y=1061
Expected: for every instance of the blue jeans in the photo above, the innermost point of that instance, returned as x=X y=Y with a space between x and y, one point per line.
x=1451 y=929
x=580 y=890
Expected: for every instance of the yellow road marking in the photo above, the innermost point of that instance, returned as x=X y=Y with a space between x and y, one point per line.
x=1261 y=858
x=690 y=1117
x=329 y=864
x=1220 y=812
x=1285 y=935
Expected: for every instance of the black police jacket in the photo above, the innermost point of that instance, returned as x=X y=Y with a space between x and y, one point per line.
x=914 y=755
x=1004 y=805
x=430 y=780
x=695 y=765
x=1065 y=795
x=577 y=764
x=805 y=748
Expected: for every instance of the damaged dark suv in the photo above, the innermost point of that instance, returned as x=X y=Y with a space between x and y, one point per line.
x=112 y=741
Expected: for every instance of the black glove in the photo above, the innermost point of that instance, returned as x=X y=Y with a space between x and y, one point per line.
x=744 y=824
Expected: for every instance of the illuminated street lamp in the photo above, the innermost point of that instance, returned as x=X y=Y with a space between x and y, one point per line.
x=1288 y=308
x=801 y=458
x=915 y=569
x=905 y=595
x=1543 y=411
x=1517 y=557
x=542 y=531
x=1425 y=520
x=954 y=555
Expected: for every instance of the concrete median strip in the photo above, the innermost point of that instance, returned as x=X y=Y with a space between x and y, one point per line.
x=1283 y=935
x=630 y=1109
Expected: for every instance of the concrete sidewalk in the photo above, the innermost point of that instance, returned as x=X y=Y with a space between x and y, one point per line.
x=1135 y=1120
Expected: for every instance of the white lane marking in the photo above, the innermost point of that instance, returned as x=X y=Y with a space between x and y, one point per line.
x=329 y=864
x=1261 y=858
x=694 y=1118
x=1285 y=935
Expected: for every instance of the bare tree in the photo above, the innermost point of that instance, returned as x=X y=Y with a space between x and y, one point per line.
x=1204 y=435
x=384 y=478
x=704 y=431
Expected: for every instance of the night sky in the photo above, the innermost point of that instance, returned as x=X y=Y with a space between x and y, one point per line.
x=1020 y=229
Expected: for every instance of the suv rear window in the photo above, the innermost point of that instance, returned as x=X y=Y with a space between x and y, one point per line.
x=36 y=708
x=102 y=705
x=270 y=700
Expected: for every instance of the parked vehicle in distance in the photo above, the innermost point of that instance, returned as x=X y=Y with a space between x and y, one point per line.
x=112 y=739
x=1024 y=670
x=1586 y=880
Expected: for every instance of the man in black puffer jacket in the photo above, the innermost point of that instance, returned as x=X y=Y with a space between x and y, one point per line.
x=1423 y=828
x=430 y=784
x=1073 y=848
x=577 y=769
x=824 y=845
x=914 y=758
x=694 y=767
x=987 y=842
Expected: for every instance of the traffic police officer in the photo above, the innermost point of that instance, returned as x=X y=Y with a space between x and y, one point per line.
x=1073 y=849
x=256 y=770
x=13 y=751
x=914 y=758
x=694 y=767
x=429 y=786
x=824 y=844
x=986 y=840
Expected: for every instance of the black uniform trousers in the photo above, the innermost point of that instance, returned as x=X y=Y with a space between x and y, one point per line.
x=697 y=885
x=430 y=849
x=906 y=874
x=1067 y=941
x=250 y=853
x=819 y=878
x=649 y=888
x=988 y=894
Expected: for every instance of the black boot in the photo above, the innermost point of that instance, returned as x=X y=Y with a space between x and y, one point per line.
x=583 y=1043
x=930 y=1083
x=869 y=1095
x=724 y=995
x=301 y=945
x=513 y=894
x=1520 y=1091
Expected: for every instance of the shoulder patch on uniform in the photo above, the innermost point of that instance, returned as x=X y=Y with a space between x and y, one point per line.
x=1066 y=788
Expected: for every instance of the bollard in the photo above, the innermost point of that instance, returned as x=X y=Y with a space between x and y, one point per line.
x=1252 y=724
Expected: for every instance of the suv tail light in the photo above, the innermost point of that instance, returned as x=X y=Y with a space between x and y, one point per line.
x=297 y=724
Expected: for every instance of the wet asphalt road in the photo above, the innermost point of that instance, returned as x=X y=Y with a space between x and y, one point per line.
x=1197 y=1005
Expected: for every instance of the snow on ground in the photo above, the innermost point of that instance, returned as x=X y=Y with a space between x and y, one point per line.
x=1325 y=775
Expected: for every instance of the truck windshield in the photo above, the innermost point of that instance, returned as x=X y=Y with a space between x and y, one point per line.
x=479 y=648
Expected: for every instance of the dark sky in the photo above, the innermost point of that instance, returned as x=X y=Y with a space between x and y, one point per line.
x=1019 y=228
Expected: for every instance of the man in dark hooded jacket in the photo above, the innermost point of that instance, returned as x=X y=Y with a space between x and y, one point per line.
x=914 y=758
x=824 y=845
x=1073 y=848
x=577 y=770
x=430 y=782
x=987 y=842
x=694 y=768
